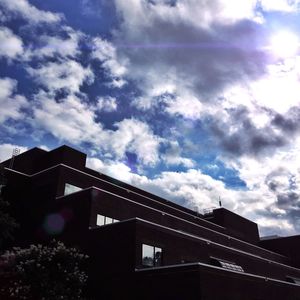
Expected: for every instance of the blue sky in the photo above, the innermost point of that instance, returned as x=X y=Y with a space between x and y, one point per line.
x=192 y=100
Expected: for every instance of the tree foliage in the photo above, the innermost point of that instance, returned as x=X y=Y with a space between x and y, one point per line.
x=44 y=272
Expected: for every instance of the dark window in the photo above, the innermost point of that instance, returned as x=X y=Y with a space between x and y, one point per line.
x=151 y=256
x=229 y=265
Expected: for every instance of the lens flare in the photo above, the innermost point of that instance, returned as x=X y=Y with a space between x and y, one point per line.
x=54 y=224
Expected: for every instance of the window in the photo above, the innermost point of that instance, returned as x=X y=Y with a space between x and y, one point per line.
x=108 y=220
x=151 y=256
x=100 y=220
x=104 y=220
x=232 y=266
x=69 y=189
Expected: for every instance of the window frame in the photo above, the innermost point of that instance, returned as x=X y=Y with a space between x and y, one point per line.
x=156 y=261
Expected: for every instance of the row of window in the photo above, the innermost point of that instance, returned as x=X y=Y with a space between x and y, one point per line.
x=152 y=255
x=105 y=220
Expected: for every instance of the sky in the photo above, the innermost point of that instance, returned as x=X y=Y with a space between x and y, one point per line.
x=196 y=101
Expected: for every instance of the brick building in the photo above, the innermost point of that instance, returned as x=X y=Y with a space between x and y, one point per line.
x=142 y=246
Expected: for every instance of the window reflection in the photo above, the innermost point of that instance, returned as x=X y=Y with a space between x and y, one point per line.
x=151 y=256
x=100 y=220
x=108 y=220
x=70 y=188
x=157 y=256
x=104 y=220
x=148 y=255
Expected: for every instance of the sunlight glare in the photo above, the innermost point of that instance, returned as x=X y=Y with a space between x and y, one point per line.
x=284 y=44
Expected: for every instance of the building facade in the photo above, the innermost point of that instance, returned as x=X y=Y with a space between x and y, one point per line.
x=142 y=246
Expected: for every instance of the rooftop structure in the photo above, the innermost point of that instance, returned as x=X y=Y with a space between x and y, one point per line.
x=142 y=246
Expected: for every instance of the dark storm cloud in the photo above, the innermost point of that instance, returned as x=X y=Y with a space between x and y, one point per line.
x=247 y=139
x=288 y=123
x=206 y=60
x=285 y=187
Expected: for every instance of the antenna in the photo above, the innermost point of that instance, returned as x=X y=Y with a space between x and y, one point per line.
x=15 y=152
x=220 y=202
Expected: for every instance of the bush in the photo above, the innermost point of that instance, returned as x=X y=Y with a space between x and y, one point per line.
x=44 y=272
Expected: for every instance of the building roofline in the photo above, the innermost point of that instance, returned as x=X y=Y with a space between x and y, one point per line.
x=191 y=235
x=197 y=265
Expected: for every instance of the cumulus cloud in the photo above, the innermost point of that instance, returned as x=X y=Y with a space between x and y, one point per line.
x=186 y=11
x=204 y=67
x=276 y=180
x=69 y=119
x=107 y=104
x=29 y=12
x=115 y=67
x=50 y=46
x=11 y=45
x=198 y=191
x=135 y=136
x=173 y=156
x=65 y=74
x=115 y=169
x=11 y=103
x=74 y=120
x=191 y=188
x=192 y=62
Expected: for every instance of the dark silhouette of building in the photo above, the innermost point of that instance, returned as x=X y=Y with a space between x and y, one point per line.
x=140 y=245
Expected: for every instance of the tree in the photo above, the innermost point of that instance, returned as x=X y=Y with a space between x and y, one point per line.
x=7 y=223
x=44 y=272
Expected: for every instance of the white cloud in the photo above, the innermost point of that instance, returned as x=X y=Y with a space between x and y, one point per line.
x=6 y=150
x=111 y=168
x=199 y=191
x=267 y=226
x=135 y=136
x=69 y=119
x=173 y=156
x=181 y=64
x=279 y=5
x=55 y=45
x=171 y=92
x=115 y=67
x=276 y=181
x=65 y=74
x=107 y=104
x=29 y=12
x=10 y=102
x=186 y=105
x=278 y=90
x=198 y=13
x=73 y=120
x=11 y=45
